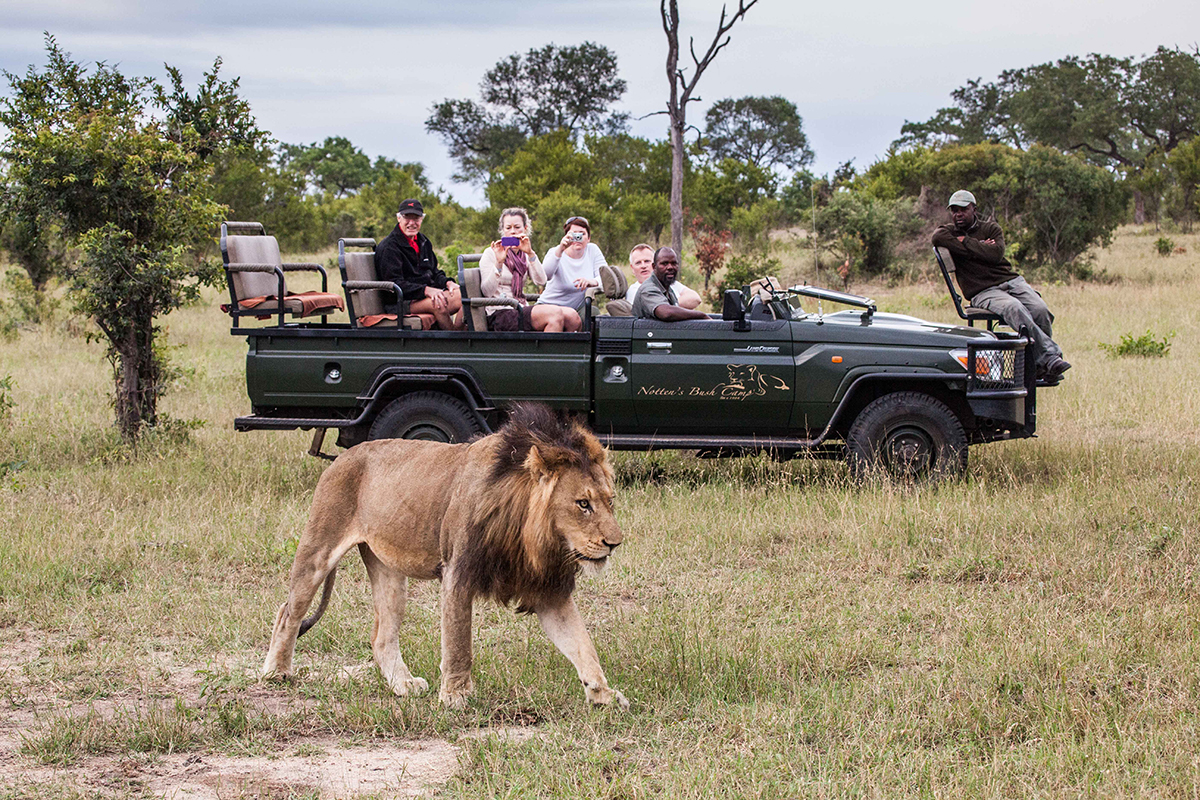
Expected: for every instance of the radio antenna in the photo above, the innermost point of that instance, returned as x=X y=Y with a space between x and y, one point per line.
x=812 y=194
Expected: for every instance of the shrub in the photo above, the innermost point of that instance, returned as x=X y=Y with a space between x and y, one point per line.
x=741 y=271
x=861 y=229
x=711 y=247
x=1164 y=246
x=1145 y=346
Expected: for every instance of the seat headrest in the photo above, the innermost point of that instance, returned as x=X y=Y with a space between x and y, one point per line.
x=613 y=281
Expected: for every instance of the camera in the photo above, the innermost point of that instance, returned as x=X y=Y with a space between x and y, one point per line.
x=509 y=241
x=575 y=236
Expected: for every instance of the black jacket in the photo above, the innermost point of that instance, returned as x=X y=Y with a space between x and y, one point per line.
x=412 y=271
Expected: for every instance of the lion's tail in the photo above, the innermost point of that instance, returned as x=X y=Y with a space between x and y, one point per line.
x=326 y=593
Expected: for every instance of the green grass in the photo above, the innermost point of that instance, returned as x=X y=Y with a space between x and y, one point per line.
x=1032 y=629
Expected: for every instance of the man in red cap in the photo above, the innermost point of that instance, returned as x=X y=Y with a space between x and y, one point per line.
x=405 y=257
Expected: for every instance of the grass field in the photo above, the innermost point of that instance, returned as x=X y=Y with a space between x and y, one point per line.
x=1031 y=630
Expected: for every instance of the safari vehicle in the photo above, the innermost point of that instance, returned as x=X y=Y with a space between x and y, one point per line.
x=773 y=372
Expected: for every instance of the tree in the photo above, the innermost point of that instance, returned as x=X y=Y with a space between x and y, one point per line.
x=1115 y=112
x=766 y=132
x=547 y=89
x=131 y=190
x=335 y=166
x=682 y=91
x=1184 y=165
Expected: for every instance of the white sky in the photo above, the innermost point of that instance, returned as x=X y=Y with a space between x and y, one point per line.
x=369 y=70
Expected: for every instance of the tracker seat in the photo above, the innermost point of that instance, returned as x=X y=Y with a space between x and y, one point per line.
x=965 y=311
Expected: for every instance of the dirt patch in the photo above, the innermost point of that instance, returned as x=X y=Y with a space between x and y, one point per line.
x=302 y=765
x=311 y=765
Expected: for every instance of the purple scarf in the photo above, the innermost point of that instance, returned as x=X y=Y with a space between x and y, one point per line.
x=519 y=267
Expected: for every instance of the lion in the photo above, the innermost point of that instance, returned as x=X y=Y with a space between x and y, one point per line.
x=514 y=516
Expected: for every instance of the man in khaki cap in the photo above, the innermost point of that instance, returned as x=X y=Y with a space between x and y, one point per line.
x=990 y=282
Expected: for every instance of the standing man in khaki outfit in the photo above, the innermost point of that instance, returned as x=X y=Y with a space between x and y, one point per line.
x=990 y=282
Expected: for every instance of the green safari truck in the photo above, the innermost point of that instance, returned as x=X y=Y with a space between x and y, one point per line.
x=773 y=372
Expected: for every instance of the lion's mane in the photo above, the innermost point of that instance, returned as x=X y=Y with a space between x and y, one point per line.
x=512 y=552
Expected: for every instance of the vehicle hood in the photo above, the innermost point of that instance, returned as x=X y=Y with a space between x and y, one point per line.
x=850 y=326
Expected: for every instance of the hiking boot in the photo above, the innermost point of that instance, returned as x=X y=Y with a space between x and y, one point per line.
x=1057 y=366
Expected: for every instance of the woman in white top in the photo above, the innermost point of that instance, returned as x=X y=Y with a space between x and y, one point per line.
x=503 y=270
x=572 y=267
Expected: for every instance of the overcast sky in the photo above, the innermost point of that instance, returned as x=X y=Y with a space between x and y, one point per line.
x=369 y=70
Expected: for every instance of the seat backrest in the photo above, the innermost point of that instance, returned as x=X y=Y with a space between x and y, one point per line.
x=946 y=263
x=360 y=266
x=472 y=286
x=253 y=250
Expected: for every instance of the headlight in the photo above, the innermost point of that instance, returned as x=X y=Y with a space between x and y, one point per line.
x=991 y=369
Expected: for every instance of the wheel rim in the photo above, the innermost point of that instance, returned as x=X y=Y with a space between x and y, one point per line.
x=426 y=432
x=909 y=451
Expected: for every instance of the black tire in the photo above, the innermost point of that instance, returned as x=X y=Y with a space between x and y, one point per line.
x=908 y=435
x=428 y=416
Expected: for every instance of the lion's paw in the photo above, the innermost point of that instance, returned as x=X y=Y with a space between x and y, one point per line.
x=411 y=686
x=604 y=696
x=275 y=676
x=455 y=701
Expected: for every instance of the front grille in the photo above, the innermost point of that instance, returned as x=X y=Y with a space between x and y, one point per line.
x=996 y=368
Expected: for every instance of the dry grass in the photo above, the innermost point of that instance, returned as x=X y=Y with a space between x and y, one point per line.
x=1030 y=630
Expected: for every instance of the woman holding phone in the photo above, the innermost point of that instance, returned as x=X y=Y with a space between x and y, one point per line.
x=503 y=269
x=572 y=267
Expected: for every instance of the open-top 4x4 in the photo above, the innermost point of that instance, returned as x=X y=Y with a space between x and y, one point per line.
x=879 y=389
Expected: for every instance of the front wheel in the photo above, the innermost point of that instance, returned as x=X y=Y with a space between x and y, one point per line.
x=908 y=435
x=427 y=416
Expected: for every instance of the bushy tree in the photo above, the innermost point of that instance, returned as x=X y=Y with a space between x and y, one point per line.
x=1054 y=206
x=861 y=230
x=547 y=89
x=1184 y=166
x=765 y=132
x=1120 y=113
x=1066 y=206
x=131 y=189
x=335 y=166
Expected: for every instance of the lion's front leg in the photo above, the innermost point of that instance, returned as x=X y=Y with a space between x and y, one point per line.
x=563 y=624
x=457 y=601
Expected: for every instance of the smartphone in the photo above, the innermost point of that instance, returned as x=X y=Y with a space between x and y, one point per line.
x=575 y=236
x=510 y=241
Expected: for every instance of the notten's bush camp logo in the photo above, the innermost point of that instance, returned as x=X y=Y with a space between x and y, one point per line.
x=744 y=381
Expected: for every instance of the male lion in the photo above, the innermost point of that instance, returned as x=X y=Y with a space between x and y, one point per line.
x=513 y=516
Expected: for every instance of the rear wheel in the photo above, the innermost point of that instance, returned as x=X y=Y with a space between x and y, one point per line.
x=908 y=435
x=428 y=416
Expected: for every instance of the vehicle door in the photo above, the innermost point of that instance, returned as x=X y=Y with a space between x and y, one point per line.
x=706 y=375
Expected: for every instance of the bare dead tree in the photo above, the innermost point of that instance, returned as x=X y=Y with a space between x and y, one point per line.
x=682 y=89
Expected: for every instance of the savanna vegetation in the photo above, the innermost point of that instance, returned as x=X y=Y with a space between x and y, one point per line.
x=1030 y=629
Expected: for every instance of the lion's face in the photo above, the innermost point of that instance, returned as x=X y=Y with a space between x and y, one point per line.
x=741 y=375
x=582 y=515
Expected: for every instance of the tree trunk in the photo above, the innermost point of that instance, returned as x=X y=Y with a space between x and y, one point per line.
x=136 y=377
x=677 y=188
x=1139 y=207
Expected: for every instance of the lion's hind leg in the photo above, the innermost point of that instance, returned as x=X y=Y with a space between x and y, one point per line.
x=389 y=594
x=316 y=557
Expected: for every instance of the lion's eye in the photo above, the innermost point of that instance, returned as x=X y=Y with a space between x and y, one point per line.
x=584 y=504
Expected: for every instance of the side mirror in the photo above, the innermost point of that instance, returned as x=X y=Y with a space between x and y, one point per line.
x=733 y=309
